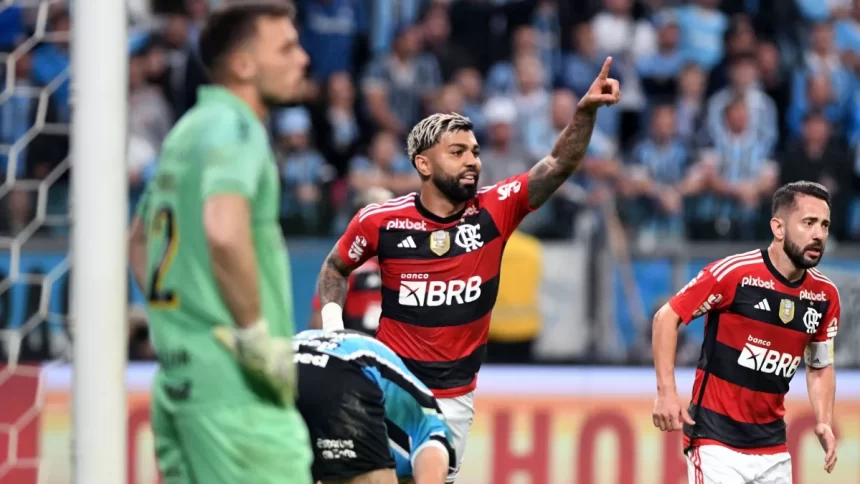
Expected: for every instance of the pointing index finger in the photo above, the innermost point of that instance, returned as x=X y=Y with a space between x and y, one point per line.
x=604 y=72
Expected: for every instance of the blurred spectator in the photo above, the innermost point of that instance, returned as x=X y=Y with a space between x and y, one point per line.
x=702 y=29
x=660 y=70
x=51 y=64
x=580 y=68
x=385 y=166
x=468 y=80
x=774 y=83
x=184 y=72
x=822 y=59
x=847 y=32
x=450 y=100
x=735 y=175
x=330 y=31
x=819 y=98
x=437 y=37
x=531 y=98
x=619 y=34
x=502 y=78
x=690 y=104
x=337 y=129
x=501 y=156
x=760 y=108
x=11 y=27
x=17 y=115
x=654 y=178
x=541 y=134
x=386 y=17
x=149 y=116
x=303 y=173
x=399 y=86
x=149 y=113
x=818 y=10
x=486 y=27
x=547 y=24
x=818 y=155
x=740 y=40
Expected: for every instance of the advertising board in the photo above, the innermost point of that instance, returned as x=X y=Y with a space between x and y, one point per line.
x=538 y=425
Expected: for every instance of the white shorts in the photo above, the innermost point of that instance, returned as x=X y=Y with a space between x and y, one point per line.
x=459 y=413
x=715 y=464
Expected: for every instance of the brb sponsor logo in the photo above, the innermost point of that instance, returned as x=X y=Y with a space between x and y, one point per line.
x=398 y=224
x=758 y=356
x=756 y=282
x=420 y=293
x=813 y=296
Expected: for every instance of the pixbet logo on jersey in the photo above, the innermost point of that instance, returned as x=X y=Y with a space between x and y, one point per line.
x=757 y=356
x=439 y=293
x=756 y=282
x=405 y=225
x=813 y=296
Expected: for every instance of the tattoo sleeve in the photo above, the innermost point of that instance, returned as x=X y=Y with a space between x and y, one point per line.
x=333 y=279
x=564 y=159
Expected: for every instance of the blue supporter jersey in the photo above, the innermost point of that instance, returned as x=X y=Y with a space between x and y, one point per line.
x=412 y=416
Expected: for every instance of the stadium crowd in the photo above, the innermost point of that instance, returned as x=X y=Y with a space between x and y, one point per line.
x=723 y=101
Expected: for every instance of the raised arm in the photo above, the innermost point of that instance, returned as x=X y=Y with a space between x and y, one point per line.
x=570 y=147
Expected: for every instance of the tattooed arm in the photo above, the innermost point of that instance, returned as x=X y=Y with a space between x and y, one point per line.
x=564 y=159
x=333 y=279
x=570 y=147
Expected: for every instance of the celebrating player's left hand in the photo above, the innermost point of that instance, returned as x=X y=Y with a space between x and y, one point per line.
x=604 y=91
x=269 y=358
x=828 y=443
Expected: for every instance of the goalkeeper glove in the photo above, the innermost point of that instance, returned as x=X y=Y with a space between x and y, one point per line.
x=263 y=356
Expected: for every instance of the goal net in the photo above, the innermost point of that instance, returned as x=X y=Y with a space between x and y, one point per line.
x=38 y=147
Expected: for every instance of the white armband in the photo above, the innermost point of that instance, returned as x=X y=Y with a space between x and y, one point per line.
x=819 y=354
x=332 y=317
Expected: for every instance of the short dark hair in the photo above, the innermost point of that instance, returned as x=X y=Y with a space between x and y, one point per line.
x=232 y=24
x=785 y=197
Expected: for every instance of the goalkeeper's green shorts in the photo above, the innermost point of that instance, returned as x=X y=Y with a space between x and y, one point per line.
x=238 y=444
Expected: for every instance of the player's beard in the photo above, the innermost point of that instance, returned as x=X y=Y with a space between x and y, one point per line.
x=796 y=254
x=452 y=189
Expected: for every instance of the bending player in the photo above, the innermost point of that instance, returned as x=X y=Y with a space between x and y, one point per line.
x=207 y=250
x=440 y=250
x=357 y=397
x=765 y=310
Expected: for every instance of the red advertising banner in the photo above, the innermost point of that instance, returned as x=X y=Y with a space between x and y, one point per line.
x=577 y=432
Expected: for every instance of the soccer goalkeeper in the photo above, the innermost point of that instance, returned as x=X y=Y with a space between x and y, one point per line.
x=207 y=250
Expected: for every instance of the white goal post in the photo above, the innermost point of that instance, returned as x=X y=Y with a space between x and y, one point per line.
x=99 y=202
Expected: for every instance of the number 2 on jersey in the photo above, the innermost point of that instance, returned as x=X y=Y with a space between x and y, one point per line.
x=164 y=225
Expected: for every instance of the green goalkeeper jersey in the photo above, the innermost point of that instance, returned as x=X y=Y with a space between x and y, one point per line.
x=219 y=147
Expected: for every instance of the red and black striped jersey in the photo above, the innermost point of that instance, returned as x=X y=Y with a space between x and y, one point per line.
x=758 y=326
x=363 y=299
x=440 y=277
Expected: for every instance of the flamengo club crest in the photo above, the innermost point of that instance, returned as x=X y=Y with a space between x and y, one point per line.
x=440 y=242
x=786 y=310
